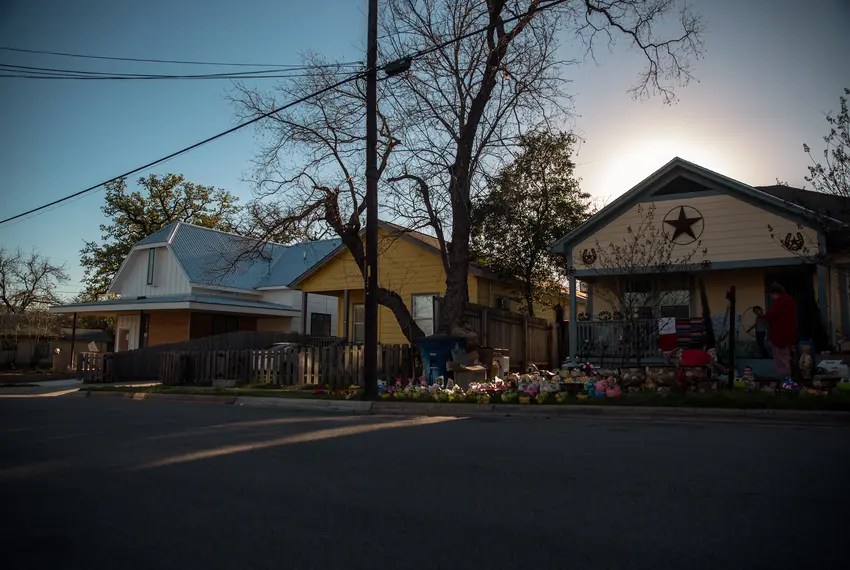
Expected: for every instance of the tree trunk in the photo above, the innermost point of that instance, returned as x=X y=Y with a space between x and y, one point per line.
x=529 y=296
x=457 y=279
x=353 y=242
x=395 y=303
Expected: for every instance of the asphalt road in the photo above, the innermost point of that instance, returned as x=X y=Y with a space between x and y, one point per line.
x=103 y=483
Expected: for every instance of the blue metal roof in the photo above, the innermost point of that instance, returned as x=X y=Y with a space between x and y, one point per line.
x=221 y=259
x=160 y=236
x=296 y=259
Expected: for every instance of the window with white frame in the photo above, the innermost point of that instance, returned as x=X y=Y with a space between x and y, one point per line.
x=423 y=312
x=151 y=261
x=358 y=329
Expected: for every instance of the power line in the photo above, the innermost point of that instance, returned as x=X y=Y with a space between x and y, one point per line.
x=188 y=148
x=31 y=72
x=143 y=60
x=36 y=75
x=76 y=72
x=354 y=77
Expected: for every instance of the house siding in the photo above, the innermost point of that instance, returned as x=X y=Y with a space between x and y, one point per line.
x=168 y=278
x=405 y=267
x=734 y=230
x=316 y=303
x=131 y=324
x=168 y=326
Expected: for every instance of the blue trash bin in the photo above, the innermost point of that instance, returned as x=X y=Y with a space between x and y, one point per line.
x=436 y=351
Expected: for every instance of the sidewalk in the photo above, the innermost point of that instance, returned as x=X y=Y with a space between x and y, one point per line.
x=46 y=388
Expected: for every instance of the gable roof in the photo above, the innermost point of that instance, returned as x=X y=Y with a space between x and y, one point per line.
x=221 y=259
x=296 y=259
x=837 y=207
x=429 y=242
x=706 y=180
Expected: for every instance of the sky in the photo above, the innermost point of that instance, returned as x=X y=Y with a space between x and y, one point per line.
x=771 y=69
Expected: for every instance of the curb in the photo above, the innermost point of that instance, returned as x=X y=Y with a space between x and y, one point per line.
x=199 y=398
x=625 y=412
x=493 y=410
x=354 y=406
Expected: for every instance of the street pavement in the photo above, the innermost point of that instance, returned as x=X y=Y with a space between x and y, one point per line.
x=101 y=483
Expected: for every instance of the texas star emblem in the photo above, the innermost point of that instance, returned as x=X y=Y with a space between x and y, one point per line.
x=687 y=225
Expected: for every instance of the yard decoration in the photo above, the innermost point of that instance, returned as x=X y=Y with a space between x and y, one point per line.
x=543 y=398
x=510 y=397
x=583 y=316
x=806 y=363
x=790 y=386
x=524 y=399
x=562 y=397
x=604 y=316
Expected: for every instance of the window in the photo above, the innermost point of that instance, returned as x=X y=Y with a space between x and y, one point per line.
x=144 y=328
x=223 y=324
x=503 y=303
x=423 y=312
x=320 y=324
x=649 y=299
x=358 y=333
x=151 y=259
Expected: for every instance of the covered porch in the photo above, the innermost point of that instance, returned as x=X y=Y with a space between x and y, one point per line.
x=625 y=312
x=145 y=322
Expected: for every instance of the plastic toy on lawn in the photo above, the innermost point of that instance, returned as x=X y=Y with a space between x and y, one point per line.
x=806 y=363
x=790 y=385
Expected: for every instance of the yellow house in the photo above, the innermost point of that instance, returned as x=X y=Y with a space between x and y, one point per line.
x=724 y=233
x=409 y=264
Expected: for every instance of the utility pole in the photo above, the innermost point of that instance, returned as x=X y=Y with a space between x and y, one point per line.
x=370 y=363
x=730 y=295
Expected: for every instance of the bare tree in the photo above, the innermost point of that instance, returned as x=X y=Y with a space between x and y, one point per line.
x=28 y=286
x=28 y=282
x=483 y=73
x=832 y=176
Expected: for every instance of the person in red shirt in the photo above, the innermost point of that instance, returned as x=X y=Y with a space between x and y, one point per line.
x=782 y=318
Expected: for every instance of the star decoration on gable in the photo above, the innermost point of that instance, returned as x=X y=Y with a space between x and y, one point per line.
x=687 y=224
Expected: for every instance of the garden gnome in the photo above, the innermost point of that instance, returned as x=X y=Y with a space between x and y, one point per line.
x=806 y=363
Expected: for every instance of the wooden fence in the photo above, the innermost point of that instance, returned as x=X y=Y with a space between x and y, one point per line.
x=143 y=364
x=529 y=340
x=337 y=366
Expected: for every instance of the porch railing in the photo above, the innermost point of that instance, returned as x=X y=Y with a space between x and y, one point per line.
x=617 y=340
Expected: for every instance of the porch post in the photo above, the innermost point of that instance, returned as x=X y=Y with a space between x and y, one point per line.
x=590 y=299
x=346 y=302
x=844 y=305
x=73 y=340
x=573 y=325
x=304 y=312
x=823 y=298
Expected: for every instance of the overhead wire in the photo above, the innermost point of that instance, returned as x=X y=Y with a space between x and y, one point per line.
x=354 y=77
x=33 y=72
x=142 y=60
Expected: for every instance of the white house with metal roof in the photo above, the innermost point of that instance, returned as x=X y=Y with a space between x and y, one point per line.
x=184 y=282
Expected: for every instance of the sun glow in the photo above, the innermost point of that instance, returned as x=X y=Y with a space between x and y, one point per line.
x=630 y=163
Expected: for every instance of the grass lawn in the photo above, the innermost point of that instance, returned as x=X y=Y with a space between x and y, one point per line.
x=25 y=377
